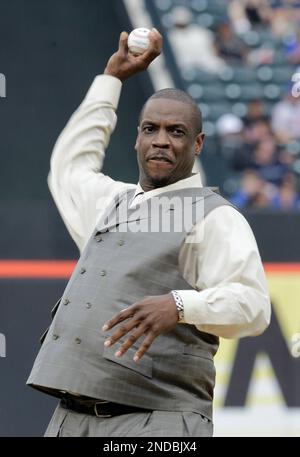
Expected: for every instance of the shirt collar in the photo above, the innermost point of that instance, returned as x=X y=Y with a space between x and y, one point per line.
x=191 y=181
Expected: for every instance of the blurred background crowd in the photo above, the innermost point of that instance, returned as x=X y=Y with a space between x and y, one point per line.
x=240 y=60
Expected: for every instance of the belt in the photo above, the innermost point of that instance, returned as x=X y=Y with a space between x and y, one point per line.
x=99 y=408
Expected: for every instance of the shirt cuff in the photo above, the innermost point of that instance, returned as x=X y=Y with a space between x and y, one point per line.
x=105 y=88
x=191 y=304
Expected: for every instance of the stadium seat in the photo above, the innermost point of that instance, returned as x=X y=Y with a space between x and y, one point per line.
x=264 y=73
x=272 y=92
x=199 y=6
x=218 y=109
x=282 y=74
x=244 y=92
x=207 y=92
x=243 y=74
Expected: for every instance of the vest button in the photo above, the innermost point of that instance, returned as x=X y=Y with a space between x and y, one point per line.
x=66 y=301
x=98 y=238
x=78 y=340
x=55 y=337
x=121 y=242
x=82 y=270
x=103 y=273
x=88 y=305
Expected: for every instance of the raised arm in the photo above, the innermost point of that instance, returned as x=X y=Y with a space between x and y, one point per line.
x=81 y=192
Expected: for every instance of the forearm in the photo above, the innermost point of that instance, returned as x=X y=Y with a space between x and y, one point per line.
x=230 y=311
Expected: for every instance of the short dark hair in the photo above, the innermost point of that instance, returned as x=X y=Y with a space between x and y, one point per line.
x=180 y=96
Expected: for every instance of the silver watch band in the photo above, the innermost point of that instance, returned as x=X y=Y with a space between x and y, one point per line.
x=179 y=305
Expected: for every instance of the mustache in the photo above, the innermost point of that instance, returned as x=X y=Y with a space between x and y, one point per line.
x=160 y=156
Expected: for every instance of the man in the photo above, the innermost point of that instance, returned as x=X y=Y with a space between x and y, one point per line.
x=130 y=349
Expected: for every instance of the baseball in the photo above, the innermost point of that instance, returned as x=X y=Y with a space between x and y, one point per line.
x=138 y=41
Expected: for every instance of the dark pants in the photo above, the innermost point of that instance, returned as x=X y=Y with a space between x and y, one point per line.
x=65 y=422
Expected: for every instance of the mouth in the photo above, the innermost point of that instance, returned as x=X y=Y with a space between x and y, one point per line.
x=162 y=164
x=160 y=160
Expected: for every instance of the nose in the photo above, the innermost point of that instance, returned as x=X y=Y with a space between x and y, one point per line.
x=161 y=139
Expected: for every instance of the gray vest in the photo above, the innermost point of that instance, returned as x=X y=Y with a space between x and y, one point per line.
x=119 y=266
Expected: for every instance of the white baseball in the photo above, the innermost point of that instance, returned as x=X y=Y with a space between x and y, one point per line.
x=138 y=41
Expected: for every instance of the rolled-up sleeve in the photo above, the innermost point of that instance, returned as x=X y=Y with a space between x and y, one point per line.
x=231 y=297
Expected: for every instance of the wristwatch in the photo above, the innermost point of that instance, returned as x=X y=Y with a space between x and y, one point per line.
x=179 y=305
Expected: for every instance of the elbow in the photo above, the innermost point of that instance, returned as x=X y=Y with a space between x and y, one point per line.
x=265 y=319
x=49 y=178
x=50 y=182
x=262 y=319
x=255 y=321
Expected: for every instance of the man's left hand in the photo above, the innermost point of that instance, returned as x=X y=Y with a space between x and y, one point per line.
x=151 y=317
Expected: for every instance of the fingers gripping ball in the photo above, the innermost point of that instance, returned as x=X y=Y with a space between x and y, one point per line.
x=138 y=41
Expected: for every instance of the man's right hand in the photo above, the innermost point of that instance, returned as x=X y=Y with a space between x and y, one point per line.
x=123 y=64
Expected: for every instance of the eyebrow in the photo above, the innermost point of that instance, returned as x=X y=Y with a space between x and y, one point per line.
x=175 y=124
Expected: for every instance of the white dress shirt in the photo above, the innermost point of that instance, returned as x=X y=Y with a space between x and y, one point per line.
x=230 y=297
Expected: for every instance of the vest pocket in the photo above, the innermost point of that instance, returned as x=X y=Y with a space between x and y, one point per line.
x=143 y=366
x=193 y=349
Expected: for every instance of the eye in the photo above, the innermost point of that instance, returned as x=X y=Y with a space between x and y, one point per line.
x=148 y=129
x=177 y=131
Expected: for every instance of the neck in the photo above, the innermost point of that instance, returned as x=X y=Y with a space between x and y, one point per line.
x=150 y=184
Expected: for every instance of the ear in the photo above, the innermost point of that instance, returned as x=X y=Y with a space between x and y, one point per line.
x=199 y=143
x=137 y=139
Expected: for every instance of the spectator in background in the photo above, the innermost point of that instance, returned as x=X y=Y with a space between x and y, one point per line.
x=248 y=14
x=285 y=14
x=258 y=12
x=267 y=163
x=257 y=130
x=292 y=48
x=286 y=118
x=230 y=132
x=239 y=20
x=287 y=197
x=229 y=46
x=255 y=112
x=254 y=192
x=232 y=144
x=192 y=44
